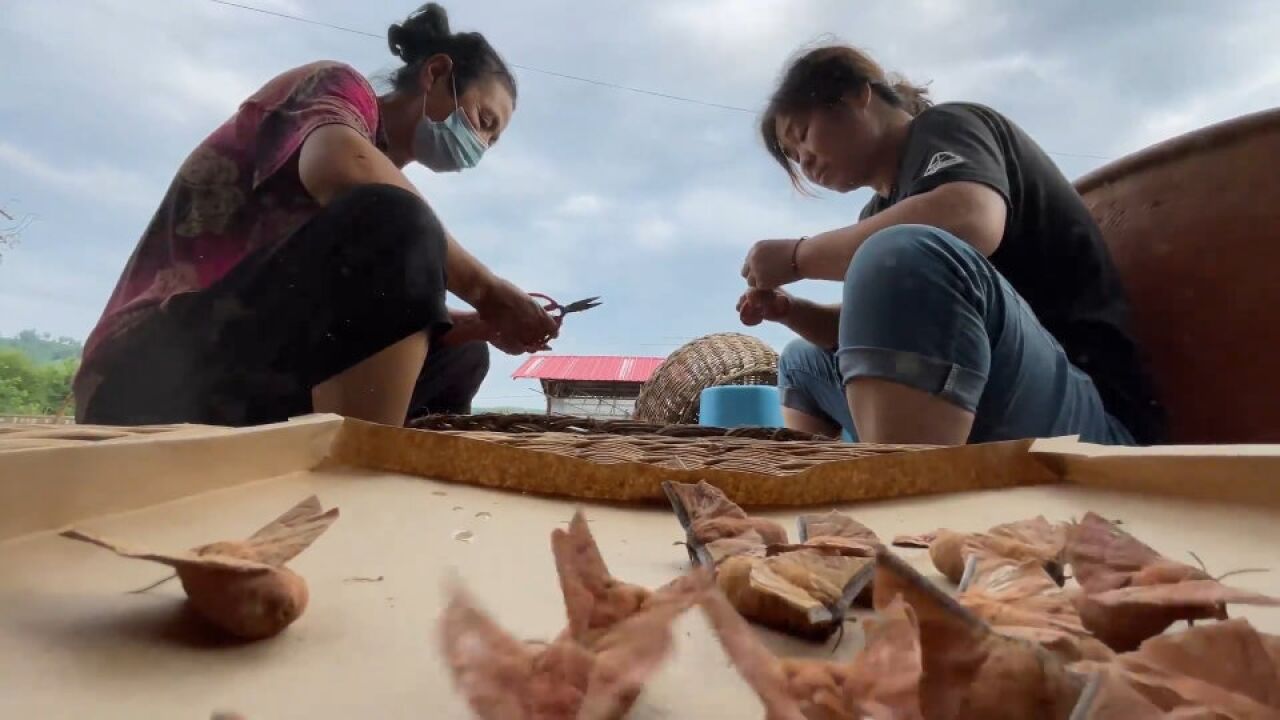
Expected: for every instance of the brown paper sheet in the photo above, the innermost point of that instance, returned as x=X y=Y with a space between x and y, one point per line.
x=73 y=644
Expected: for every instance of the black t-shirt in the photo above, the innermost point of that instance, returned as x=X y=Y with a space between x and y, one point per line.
x=1052 y=251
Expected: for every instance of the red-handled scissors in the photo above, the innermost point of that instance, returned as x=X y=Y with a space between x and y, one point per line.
x=554 y=307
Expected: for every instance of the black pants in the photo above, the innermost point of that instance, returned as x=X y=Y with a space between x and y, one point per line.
x=450 y=379
x=365 y=273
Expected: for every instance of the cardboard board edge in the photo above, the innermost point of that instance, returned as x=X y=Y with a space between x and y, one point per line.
x=1072 y=446
x=45 y=489
x=1238 y=474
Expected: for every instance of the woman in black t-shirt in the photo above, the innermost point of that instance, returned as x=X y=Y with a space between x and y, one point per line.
x=980 y=302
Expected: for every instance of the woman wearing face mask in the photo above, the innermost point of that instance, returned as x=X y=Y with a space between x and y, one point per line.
x=980 y=302
x=293 y=268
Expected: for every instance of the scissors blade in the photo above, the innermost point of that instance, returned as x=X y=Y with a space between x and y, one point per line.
x=580 y=305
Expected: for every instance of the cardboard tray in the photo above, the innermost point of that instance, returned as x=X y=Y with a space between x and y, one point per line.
x=74 y=644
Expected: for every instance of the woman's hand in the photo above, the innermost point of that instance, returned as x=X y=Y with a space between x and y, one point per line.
x=470 y=327
x=771 y=264
x=517 y=320
x=467 y=327
x=512 y=347
x=755 y=306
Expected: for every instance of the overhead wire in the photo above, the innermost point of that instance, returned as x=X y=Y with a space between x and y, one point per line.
x=555 y=73
x=530 y=68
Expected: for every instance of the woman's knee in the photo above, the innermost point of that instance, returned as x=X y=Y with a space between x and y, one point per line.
x=916 y=266
x=801 y=357
x=475 y=356
x=917 y=311
x=905 y=248
x=391 y=221
x=809 y=384
x=392 y=234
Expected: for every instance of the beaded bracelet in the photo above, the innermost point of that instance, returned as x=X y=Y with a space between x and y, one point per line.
x=795 y=256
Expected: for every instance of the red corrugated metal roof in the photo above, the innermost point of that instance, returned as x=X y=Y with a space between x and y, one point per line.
x=592 y=368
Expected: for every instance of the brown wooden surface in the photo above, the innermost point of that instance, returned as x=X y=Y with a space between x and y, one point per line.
x=75 y=643
x=1194 y=227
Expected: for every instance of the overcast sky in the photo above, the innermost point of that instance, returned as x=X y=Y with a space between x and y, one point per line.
x=648 y=202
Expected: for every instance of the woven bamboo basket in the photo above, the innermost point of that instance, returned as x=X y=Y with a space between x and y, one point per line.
x=672 y=394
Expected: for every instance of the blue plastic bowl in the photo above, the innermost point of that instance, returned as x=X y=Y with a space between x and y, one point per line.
x=741 y=406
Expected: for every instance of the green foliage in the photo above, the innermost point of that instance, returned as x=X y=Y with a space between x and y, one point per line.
x=35 y=373
x=505 y=410
x=42 y=348
x=30 y=389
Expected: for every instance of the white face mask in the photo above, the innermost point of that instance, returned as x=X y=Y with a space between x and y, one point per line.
x=450 y=145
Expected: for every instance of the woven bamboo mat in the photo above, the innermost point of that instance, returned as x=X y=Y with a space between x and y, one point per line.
x=631 y=468
x=532 y=423
x=726 y=452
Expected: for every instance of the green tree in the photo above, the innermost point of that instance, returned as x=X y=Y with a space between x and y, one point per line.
x=17 y=380
x=42 y=347
x=27 y=388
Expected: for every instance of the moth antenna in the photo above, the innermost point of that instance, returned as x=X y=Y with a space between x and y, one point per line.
x=1193 y=554
x=1241 y=571
x=153 y=585
x=839 y=639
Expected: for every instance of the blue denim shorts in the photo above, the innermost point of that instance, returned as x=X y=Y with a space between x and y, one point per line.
x=923 y=308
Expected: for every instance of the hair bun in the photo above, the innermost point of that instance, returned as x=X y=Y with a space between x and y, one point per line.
x=420 y=32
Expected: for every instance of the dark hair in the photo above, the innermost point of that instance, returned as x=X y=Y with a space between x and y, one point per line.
x=425 y=34
x=821 y=78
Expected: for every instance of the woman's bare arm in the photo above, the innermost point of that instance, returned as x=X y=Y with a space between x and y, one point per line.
x=335 y=158
x=815 y=322
x=971 y=211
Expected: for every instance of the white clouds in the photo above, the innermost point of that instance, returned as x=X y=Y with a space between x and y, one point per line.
x=726 y=220
x=734 y=49
x=592 y=190
x=156 y=62
x=282 y=6
x=190 y=90
x=580 y=205
x=728 y=50
x=54 y=289
x=735 y=27
x=1240 y=46
x=725 y=215
x=1233 y=97
x=653 y=233
x=986 y=77
x=93 y=182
